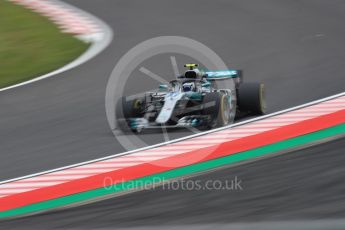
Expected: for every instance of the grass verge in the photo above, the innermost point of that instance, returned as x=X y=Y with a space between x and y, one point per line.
x=31 y=45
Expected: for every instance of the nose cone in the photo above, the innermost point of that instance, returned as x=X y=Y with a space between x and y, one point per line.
x=170 y=101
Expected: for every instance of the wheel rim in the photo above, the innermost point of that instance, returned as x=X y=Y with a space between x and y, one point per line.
x=262 y=99
x=225 y=108
x=136 y=104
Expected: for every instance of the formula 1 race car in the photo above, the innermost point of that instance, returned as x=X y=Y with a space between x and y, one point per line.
x=194 y=99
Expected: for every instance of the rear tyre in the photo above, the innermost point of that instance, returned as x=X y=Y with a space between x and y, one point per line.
x=251 y=98
x=217 y=106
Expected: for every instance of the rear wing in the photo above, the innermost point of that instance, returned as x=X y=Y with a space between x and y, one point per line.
x=224 y=74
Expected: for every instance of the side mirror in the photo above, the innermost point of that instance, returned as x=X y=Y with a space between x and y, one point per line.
x=206 y=84
x=163 y=87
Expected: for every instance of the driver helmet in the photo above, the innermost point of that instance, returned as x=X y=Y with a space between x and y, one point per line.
x=193 y=73
x=188 y=86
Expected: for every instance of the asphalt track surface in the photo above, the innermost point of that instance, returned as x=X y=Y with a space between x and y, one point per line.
x=294 y=47
x=299 y=187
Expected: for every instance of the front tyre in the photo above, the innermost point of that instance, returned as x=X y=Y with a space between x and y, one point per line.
x=125 y=110
x=217 y=107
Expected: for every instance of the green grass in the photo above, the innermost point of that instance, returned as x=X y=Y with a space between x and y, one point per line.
x=31 y=45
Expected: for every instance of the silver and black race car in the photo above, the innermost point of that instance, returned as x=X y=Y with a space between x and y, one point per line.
x=195 y=99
